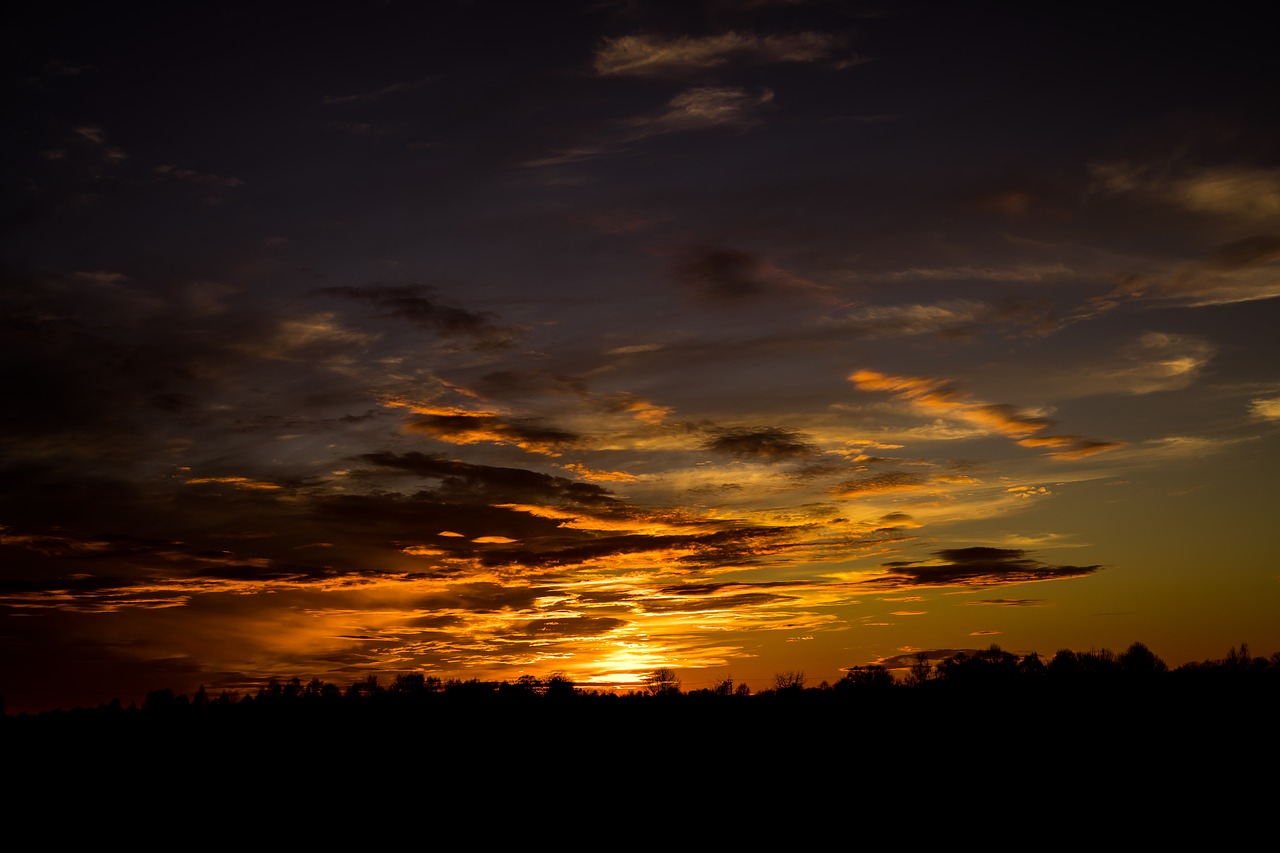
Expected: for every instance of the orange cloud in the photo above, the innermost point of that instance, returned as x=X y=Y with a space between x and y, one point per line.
x=600 y=476
x=238 y=482
x=941 y=398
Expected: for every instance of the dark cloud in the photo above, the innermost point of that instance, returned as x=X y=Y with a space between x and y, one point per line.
x=418 y=305
x=719 y=548
x=468 y=429
x=694 y=605
x=701 y=589
x=891 y=482
x=386 y=521
x=769 y=445
x=1251 y=251
x=109 y=572
x=933 y=655
x=722 y=274
x=580 y=626
x=477 y=598
x=513 y=382
x=1005 y=602
x=978 y=566
x=494 y=484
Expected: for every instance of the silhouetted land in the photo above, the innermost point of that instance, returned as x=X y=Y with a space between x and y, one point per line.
x=1075 y=723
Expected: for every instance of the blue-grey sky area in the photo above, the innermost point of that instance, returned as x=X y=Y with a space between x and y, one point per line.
x=492 y=339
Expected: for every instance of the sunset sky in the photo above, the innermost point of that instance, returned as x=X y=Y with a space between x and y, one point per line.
x=489 y=339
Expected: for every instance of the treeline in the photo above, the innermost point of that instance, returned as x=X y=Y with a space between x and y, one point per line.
x=991 y=672
x=989 y=712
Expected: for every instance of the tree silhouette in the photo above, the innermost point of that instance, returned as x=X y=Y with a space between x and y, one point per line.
x=791 y=680
x=662 y=682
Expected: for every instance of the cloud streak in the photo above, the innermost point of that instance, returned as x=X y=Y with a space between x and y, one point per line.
x=655 y=55
x=939 y=397
x=975 y=567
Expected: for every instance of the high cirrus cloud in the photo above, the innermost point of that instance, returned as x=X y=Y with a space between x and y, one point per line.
x=655 y=55
x=1238 y=193
x=939 y=397
x=701 y=108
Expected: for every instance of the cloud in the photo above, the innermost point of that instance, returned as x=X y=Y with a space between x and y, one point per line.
x=238 y=482
x=576 y=626
x=654 y=55
x=418 y=305
x=92 y=133
x=1160 y=362
x=895 y=481
x=975 y=567
x=308 y=338
x=588 y=473
x=769 y=445
x=726 y=275
x=470 y=429
x=1234 y=192
x=1266 y=409
x=491 y=484
x=97 y=136
x=1245 y=270
x=1238 y=193
x=941 y=398
x=949 y=319
x=701 y=108
x=1004 y=602
x=377 y=94
x=1024 y=272
x=191 y=176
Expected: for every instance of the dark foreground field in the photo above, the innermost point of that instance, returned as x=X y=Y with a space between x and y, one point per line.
x=983 y=738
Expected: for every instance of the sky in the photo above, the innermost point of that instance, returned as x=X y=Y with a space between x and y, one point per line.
x=737 y=337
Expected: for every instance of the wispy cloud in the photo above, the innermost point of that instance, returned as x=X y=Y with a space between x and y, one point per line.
x=96 y=135
x=1023 y=272
x=723 y=274
x=654 y=55
x=377 y=94
x=940 y=397
x=700 y=108
x=1234 y=192
x=418 y=305
x=948 y=319
x=1267 y=409
x=176 y=173
x=1244 y=270
x=470 y=429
